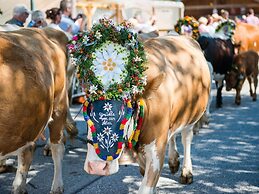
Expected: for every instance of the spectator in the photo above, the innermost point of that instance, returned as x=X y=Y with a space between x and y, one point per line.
x=143 y=23
x=203 y=25
x=242 y=16
x=54 y=15
x=216 y=20
x=66 y=20
x=37 y=19
x=224 y=14
x=20 y=14
x=251 y=18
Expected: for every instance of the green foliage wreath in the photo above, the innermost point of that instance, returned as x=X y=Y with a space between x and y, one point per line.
x=228 y=27
x=110 y=60
x=188 y=21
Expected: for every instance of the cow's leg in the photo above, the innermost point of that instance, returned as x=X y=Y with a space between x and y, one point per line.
x=255 y=86
x=186 y=176
x=154 y=159
x=173 y=162
x=5 y=168
x=47 y=147
x=219 y=96
x=57 y=156
x=56 y=127
x=238 y=91
x=253 y=94
x=2 y=165
x=24 y=162
x=141 y=161
x=249 y=79
x=71 y=125
x=238 y=97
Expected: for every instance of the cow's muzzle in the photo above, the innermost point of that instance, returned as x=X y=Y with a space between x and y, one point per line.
x=98 y=168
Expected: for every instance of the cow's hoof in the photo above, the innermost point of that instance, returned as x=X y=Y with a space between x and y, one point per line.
x=219 y=105
x=59 y=190
x=174 y=167
x=237 y=102
x=19 y=190
x=186 y=179
x=7 y=168
x=46 y=150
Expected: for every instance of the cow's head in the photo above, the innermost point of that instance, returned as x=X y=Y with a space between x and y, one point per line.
x=96 y=165
x=232 y=78
x=111 y=122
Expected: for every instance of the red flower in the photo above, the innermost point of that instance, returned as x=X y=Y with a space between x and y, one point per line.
x=75 y=38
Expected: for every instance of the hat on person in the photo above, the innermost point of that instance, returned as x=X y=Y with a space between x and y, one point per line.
x=19 y=9
x=203 y=20
x=37 y=15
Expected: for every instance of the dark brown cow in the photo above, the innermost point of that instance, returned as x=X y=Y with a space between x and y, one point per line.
x=175 y=98
x=220 y=54
x=33 y=94
x=245 y=65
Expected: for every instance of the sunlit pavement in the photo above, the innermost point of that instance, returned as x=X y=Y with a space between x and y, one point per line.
x=225 y=158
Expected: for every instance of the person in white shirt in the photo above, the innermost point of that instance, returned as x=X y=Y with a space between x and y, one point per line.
x=66 y=22
x=251 y=18
x=54 y=14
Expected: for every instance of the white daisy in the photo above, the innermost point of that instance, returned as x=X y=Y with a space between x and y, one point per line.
x=107 y=106
x=92 y=89
x=137 y=59
x=114 y=137
x=109 y=63
x=85 y=39
x=100 y=137
x=135 y=90
x=98 y=35
x=107 y=131
x=144 y=80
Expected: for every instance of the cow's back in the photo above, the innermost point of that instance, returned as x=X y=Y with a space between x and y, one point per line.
x=247 y=36
x=183 y=94
x=219 y=52
x=29 y=63
x=247 y=62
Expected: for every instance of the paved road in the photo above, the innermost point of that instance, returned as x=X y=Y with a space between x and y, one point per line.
x=225 y=158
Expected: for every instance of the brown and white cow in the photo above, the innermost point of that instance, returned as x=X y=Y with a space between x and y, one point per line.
x=33 y=95
x=175 y=98
x=245 y=65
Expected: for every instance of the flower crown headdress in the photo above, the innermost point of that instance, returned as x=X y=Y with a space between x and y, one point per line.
x=110 y=61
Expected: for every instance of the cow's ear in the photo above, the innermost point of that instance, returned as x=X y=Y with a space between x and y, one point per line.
x=156 y=82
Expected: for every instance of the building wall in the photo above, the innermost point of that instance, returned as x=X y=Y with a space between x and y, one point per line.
x=198 y=8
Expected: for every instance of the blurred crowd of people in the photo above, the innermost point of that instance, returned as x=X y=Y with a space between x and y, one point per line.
x=209 y=23
x=59 y=18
